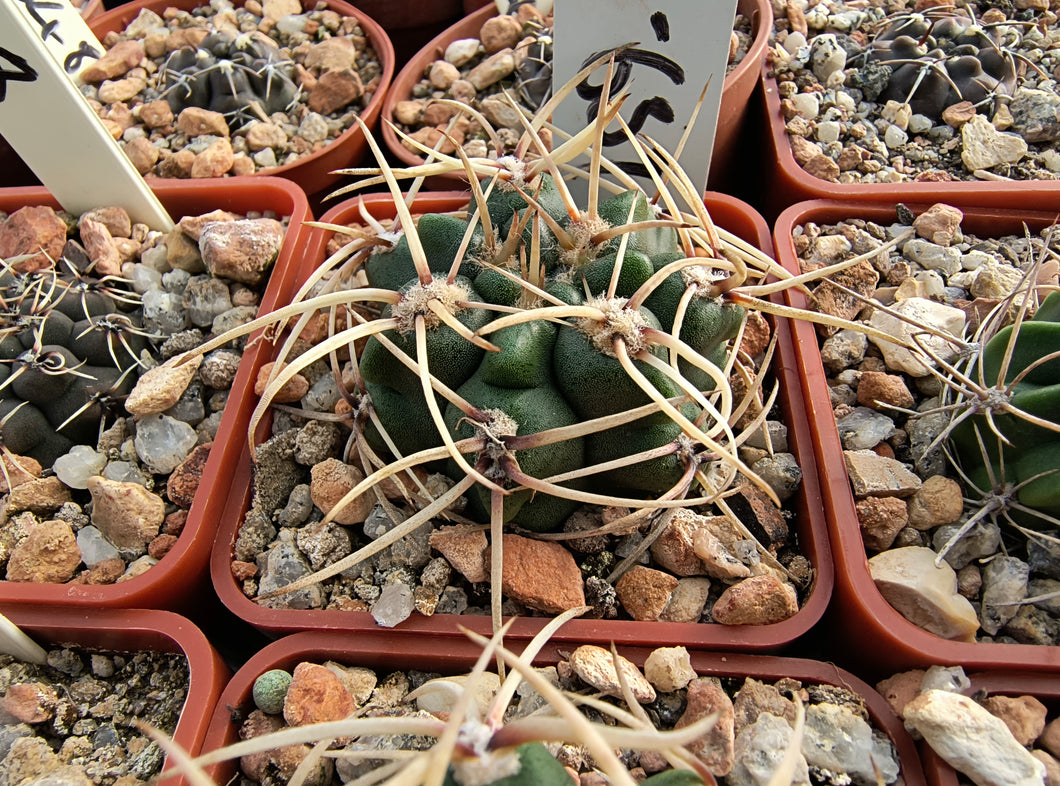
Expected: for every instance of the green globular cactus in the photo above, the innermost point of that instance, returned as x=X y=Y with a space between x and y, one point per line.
x=542 y=374
x=1019 y=442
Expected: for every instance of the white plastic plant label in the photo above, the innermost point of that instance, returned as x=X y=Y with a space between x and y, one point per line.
x=44 y=44
x=678 y=48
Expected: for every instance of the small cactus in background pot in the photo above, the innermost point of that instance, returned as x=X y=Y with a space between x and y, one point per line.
x=942 y=57
x=70 y=343
x=246 y=77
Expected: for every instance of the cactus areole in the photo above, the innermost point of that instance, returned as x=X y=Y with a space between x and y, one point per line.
x=591 y=304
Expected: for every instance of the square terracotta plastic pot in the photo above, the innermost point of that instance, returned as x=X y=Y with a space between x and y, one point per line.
x=728 y=213
x=137 y=630
x=789 y=183
x=736 y=91
x=880 y=639
x=180 y=576
x=1045 y=688
x=456 y=656
x=313 y=172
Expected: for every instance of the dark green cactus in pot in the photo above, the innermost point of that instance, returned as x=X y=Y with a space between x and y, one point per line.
x=538 y=373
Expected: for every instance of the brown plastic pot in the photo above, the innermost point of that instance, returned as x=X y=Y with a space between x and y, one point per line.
x=788 y=183
x=735 y=96
x=878 y=638
x=137 y=630
x=728 y=213
x=312 y=172
x=1004 y=683
x=456 y=656
x=92 y=9
x=180 y=575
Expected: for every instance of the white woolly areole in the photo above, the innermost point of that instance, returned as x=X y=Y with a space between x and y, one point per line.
x=499 y=424
x=485 y=766
x=517 y=168
x=701 y=277
x=582 y=232
x=616 y=321
x=413 y=303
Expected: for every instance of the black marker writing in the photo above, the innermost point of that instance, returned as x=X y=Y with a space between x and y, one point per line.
x=73 y=61
x=661 y=25
x=657 y=107
x=22 y=73
x=46 y=28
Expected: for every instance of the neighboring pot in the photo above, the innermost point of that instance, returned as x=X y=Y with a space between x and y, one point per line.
x=878 y=637
x=412 y=23
x=735 y=96
x=312 y=172
x=132 y=630
x=789 y=183
x=1045 y=688
x=728 y=213
x=179 y=577
x=456 y=656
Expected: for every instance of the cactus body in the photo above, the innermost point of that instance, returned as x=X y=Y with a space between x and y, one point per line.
x=548 y=373
x=938 y=62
